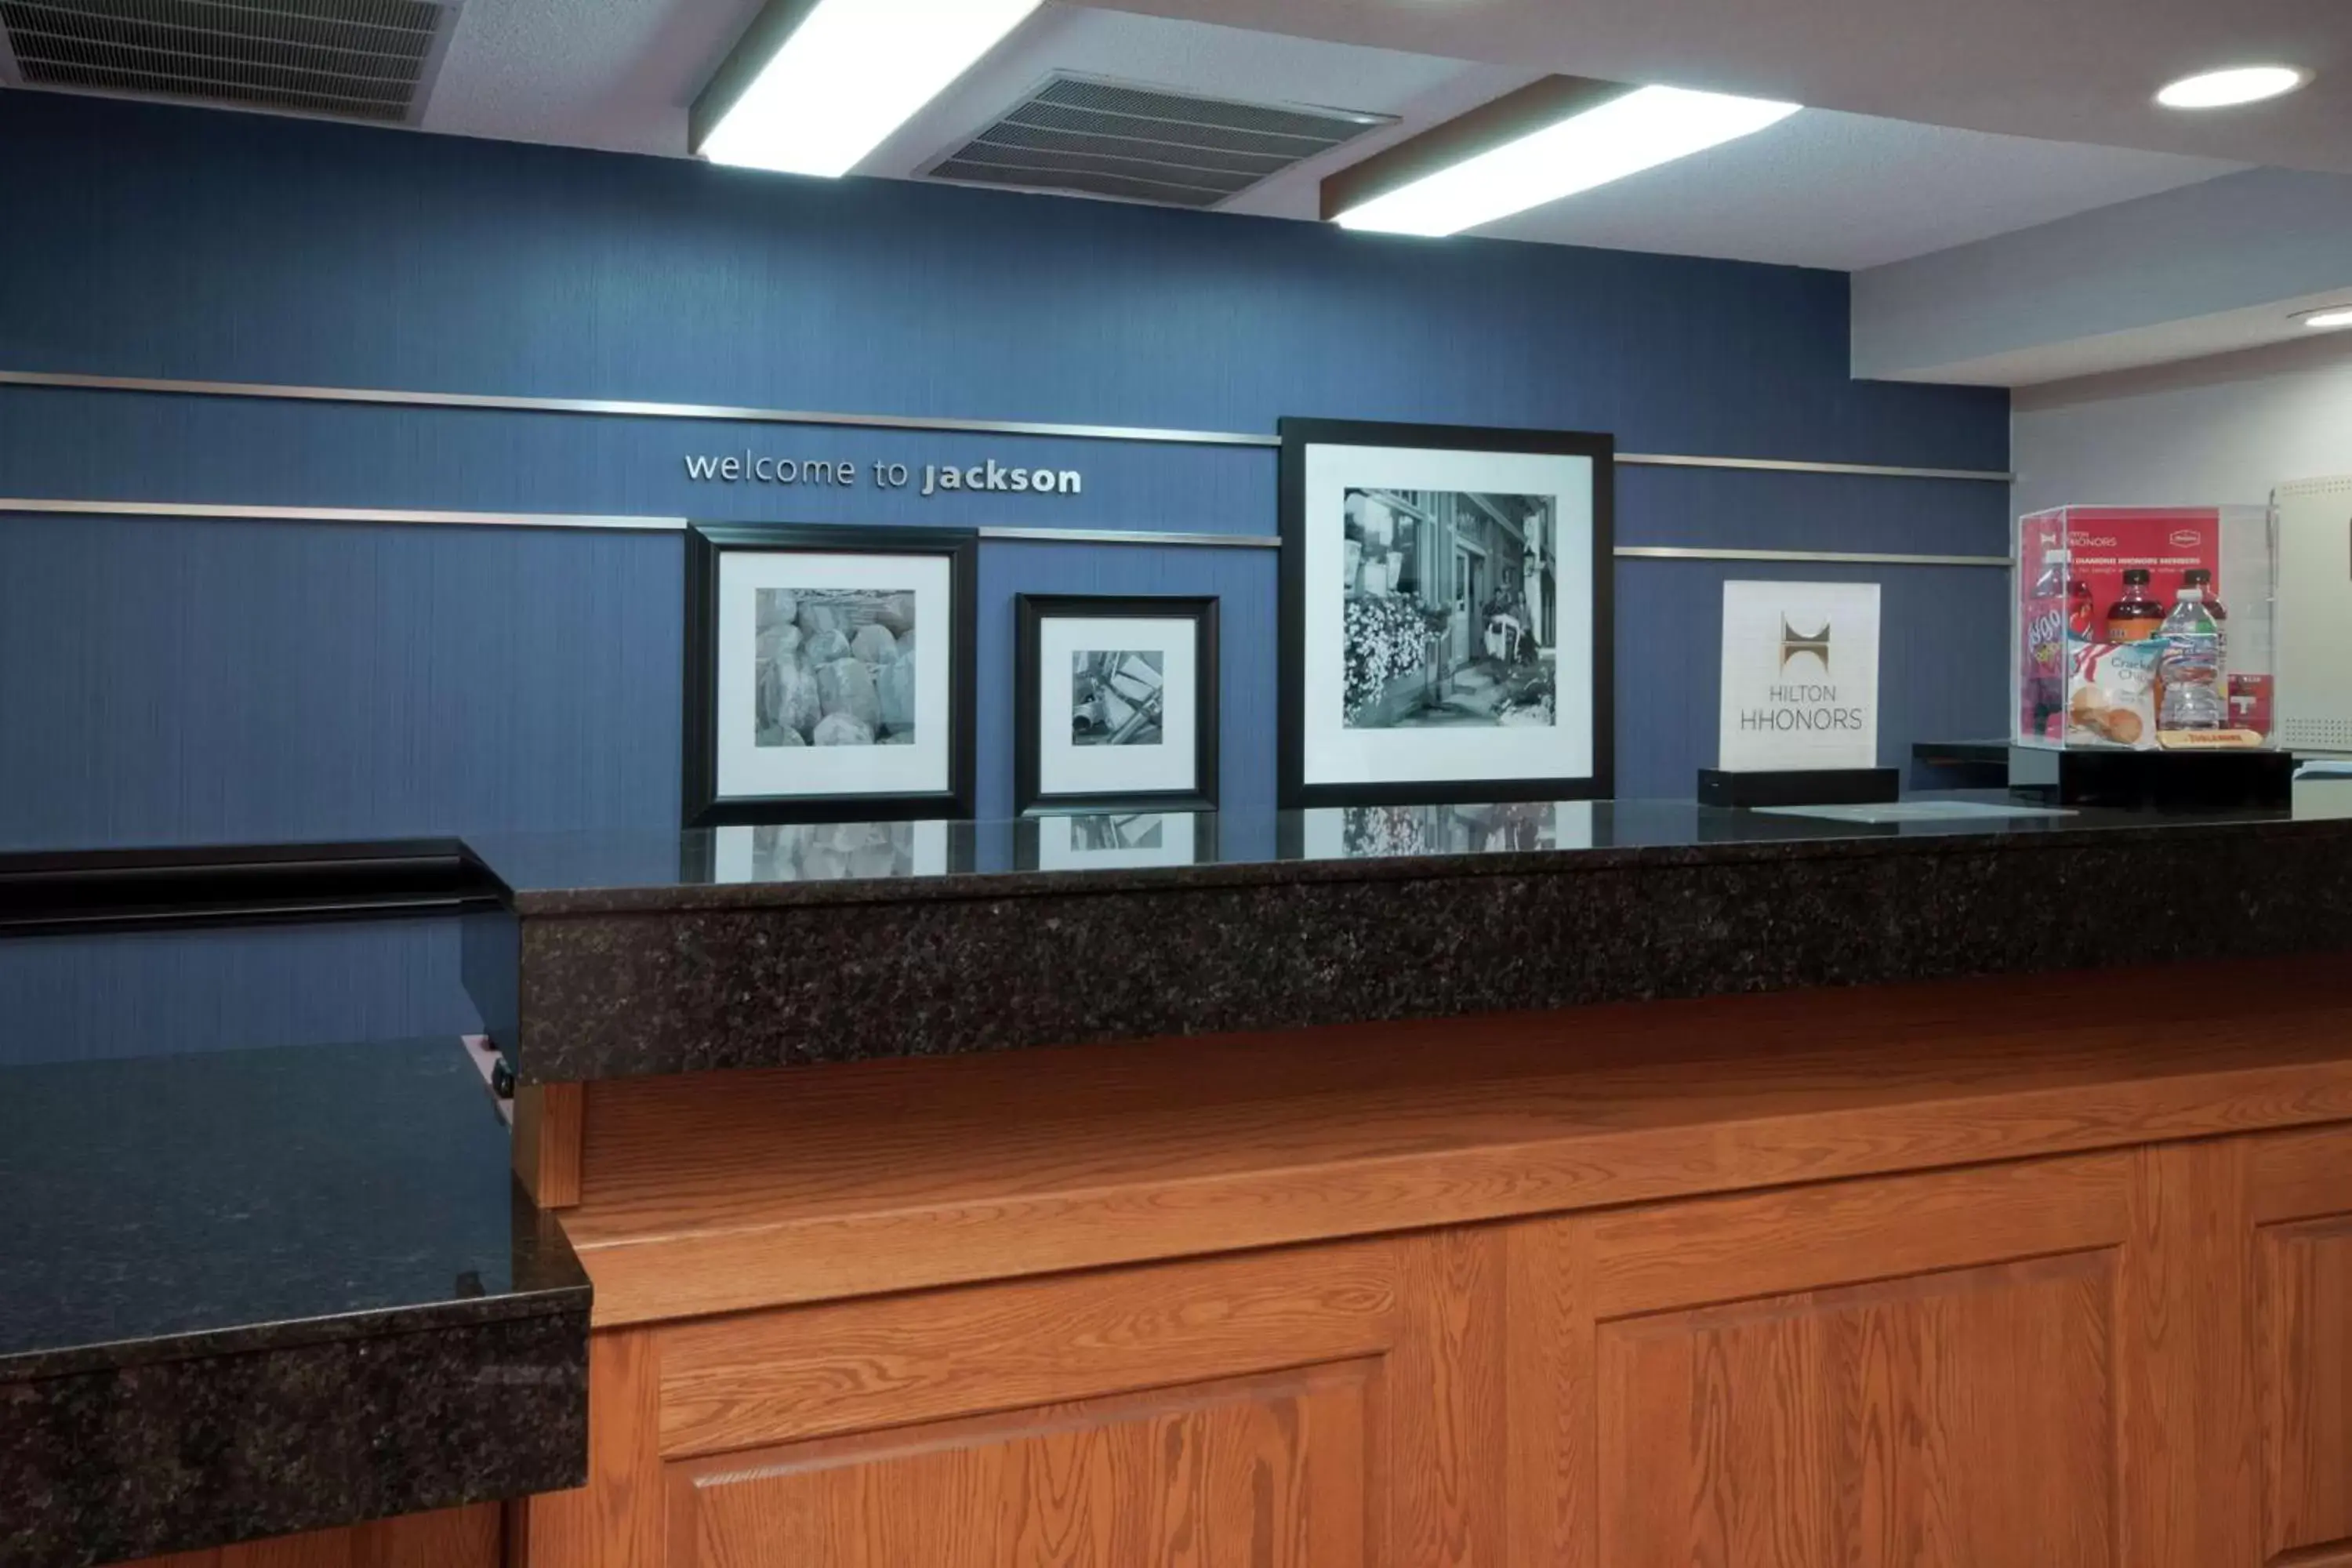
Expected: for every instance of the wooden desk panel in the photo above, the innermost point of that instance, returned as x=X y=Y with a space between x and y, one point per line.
x=726 y=1192
x=1938 y=1275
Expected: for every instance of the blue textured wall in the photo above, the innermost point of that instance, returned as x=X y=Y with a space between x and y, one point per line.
x=174 y=681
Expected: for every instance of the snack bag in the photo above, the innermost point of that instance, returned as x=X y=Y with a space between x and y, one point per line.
x=2114 y=695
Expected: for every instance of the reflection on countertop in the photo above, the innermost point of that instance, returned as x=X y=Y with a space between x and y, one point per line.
x=549 y=873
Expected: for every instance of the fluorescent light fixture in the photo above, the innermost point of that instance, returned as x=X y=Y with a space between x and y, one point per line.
x=2326 y=317
x=1640 y=130
x=852 y=72
x=2225 y=89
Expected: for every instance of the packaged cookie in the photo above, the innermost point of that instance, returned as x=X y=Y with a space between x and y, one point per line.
x=2115 y=692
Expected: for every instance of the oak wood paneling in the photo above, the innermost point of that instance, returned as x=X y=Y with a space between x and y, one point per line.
x=775 y=1377
x=546 y=1139
x=1264 y=1473
x=1548 y=1427
x=1946 y=1421
x=2187 y=1423
x=1717 y=1249
x=2301 y=1175
x=1915 y=1279
x=1229 y=1408
x=449 y=1538
x=2305 y=1324
x=616 y=1521
x=728 y=1192
x=1907 y=1371
x=1446 y=1440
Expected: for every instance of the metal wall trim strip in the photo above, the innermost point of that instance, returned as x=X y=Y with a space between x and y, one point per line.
x=204 y=509
x=1129 y=536
x=1826 y=557
x=1786 y=466
x=344 y=514
x=626 y=408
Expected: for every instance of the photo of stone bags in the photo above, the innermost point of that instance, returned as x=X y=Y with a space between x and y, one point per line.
x=834 y=667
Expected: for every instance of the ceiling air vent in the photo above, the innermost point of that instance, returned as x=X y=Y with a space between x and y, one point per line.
x=1143 y=144
x=355 y=59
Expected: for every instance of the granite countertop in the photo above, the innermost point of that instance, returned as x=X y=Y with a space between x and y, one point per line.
x=621 y=953
x=845 y=863
x=255 y=1291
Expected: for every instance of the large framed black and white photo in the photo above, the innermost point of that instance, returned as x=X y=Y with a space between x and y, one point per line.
x=1115 y=703
x=829 y=673
x=1446 y=614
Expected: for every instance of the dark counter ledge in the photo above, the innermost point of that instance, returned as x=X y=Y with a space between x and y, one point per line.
x=628 y=954
x=252 y=1293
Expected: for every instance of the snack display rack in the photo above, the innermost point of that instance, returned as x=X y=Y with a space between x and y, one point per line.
x=2093 y=585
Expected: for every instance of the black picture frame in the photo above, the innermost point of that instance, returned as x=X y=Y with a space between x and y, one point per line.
x=1297 y=435
x=1031 y=611
x=706 y=544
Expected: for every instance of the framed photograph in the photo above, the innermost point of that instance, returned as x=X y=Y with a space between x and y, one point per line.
x=1115 y=703
x=829 y=674
x=1123 y=840
x=1446 y=614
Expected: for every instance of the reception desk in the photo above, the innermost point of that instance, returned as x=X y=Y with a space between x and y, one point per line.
x=1967 y=1274
x=1609 y=1187
x=1393 y=1221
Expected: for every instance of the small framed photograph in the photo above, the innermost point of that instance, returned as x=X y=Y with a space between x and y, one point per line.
x=1115 y=703
x=1122 y=840
x=829 y=674
x=1446 y=614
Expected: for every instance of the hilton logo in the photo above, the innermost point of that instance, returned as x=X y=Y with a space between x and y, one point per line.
x=1793 y=643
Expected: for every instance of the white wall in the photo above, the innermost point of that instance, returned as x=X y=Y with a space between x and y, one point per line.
x=2209 y=266
x=2216 y=431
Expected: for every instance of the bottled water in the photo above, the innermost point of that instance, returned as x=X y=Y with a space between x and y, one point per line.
x=2191 y=668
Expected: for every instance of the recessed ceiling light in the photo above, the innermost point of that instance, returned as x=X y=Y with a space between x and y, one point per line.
x=811 y=88
x=2241 y=84
x=1641 y=128
x=2326 y=317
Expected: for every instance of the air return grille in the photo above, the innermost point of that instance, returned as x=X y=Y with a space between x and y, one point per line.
x=1140 y=143
x=358 y=59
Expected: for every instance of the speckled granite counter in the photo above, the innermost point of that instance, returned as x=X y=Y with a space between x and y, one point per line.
x=752 y=947
x=253 y=1292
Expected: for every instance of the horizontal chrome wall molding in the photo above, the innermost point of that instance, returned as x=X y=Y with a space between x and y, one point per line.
x=1825 y=557
x=1130 y=536
x=624 y=408
x=1778 y=466
x=201 y=510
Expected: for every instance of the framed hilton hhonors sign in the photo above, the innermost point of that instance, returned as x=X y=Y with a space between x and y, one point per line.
x=1800 y=677
x=828 y=674
x=1446 y=614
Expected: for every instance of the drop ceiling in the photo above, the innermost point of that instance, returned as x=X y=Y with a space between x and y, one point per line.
x=1822 y=189
x=1930 y=125
x=2069 y=71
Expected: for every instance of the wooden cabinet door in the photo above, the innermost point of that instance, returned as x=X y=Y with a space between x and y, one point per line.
x=1335 y=1406
x=2302 y=1194
x=1918 y=1372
